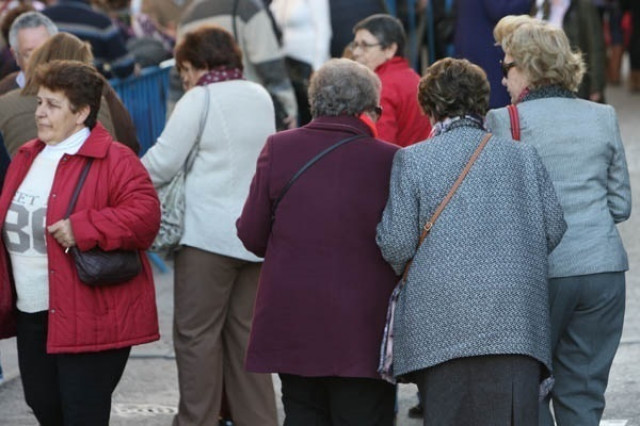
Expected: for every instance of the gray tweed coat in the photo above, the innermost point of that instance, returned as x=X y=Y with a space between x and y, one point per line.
x=478 y=283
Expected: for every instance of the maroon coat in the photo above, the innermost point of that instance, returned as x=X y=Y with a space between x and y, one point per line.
x=324 y=286
x=118 y=208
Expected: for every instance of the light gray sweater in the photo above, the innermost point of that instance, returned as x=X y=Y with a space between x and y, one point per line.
x=579 y=143
x=239 y=119
x=478 y=283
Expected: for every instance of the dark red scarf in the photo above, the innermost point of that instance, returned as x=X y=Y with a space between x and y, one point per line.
x=219 y=74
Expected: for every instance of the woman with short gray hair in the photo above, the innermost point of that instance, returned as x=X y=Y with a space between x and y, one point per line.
x=471 y=325
x=312 y=211
x=343 y=87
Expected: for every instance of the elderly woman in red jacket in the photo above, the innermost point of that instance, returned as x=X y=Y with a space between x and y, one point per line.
x=379 y=43
x=74 y=339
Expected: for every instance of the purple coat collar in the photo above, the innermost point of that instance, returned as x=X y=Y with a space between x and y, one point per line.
x=346 y=123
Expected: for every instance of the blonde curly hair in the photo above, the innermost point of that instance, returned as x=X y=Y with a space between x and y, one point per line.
x=541 y=51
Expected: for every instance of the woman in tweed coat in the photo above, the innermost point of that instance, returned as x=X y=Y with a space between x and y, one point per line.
x=472 y=322
x=579 y=143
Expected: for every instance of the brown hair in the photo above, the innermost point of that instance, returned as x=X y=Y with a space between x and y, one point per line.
x=209 y=47
x=453 y=87
x=81 y=83
x=62 y=46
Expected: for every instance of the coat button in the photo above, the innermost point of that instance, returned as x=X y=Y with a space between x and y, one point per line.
x=53 y=311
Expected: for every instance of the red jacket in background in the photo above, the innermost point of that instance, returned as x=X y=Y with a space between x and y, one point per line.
x=117 y=208
x=402 y=121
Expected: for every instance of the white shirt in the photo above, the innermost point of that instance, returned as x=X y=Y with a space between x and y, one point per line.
x=558 y=10
x=21 y=80
x=306 y=29
x=24 y=230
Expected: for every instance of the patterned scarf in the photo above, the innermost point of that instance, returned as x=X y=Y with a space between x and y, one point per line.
x=455 y=122
x=219 y=74
x=553 y=91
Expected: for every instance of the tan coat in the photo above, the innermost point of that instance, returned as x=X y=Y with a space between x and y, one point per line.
x=166 y=12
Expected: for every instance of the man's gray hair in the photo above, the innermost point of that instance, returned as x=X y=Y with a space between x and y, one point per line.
x=30 y=20
x=343 y=87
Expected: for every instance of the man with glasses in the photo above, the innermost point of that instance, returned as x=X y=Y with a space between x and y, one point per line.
x=28 y=32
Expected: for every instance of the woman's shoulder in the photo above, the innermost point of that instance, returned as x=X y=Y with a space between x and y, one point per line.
x=226 y=91
x=233 y=87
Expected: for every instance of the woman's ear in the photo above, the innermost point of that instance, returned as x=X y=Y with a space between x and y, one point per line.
x=391 y=50
x=82 y=114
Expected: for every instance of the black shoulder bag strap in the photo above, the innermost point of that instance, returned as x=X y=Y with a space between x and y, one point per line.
x=76 y=191
x=234 y=13
x=306 y=167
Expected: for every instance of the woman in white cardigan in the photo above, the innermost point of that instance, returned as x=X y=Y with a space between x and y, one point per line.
x=306 y=36
x=215 y=277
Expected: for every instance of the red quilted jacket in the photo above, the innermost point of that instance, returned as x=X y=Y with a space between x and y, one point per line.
x=402 y=121
x=117 y=209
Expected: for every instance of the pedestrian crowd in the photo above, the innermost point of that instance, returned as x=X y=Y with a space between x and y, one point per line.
x=334 y=216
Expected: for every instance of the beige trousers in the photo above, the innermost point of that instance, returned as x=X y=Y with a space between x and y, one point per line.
x=214 y=298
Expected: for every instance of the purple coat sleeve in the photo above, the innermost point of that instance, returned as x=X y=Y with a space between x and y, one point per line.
x=498 y=9
x=254 y=224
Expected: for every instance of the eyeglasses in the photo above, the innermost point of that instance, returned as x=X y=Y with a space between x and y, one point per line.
x=506 y=67
x=362 y=45
x=375 y=112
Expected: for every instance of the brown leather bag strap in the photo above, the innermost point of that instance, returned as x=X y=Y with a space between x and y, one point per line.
x=427 y=226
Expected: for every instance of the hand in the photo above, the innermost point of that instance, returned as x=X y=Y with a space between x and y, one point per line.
x=62 y=232
x=596 y=97
x=290 y=121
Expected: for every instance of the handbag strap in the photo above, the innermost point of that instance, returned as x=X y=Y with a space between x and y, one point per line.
x=514 y=117
x=196 y=146
x=432 y=220
x=306 y=167
x=76 y=191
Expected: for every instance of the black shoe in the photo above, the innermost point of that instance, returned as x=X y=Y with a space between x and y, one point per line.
x=416 y=412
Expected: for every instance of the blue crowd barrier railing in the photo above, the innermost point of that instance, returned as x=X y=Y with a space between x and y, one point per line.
x=145 y=97
x=412 y=29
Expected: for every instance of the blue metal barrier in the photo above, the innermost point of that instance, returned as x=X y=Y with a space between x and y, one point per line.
x=412 y=29
x=145 y=97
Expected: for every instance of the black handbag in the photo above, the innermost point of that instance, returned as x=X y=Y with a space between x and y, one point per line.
x=97 y=267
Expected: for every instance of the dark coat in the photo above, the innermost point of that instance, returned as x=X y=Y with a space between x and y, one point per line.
x=323 y=292
x=344 y=15
x=474 y=38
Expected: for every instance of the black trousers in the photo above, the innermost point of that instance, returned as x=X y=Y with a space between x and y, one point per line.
x=337 y=401
x=481 y=391
x=66 y=389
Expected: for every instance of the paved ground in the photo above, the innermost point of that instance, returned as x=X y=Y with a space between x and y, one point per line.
x=148 y=393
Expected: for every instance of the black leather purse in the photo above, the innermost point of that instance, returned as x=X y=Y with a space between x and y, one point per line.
x=97 y=267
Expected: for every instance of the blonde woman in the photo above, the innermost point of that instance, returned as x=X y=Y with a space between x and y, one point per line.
x=580 y=145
